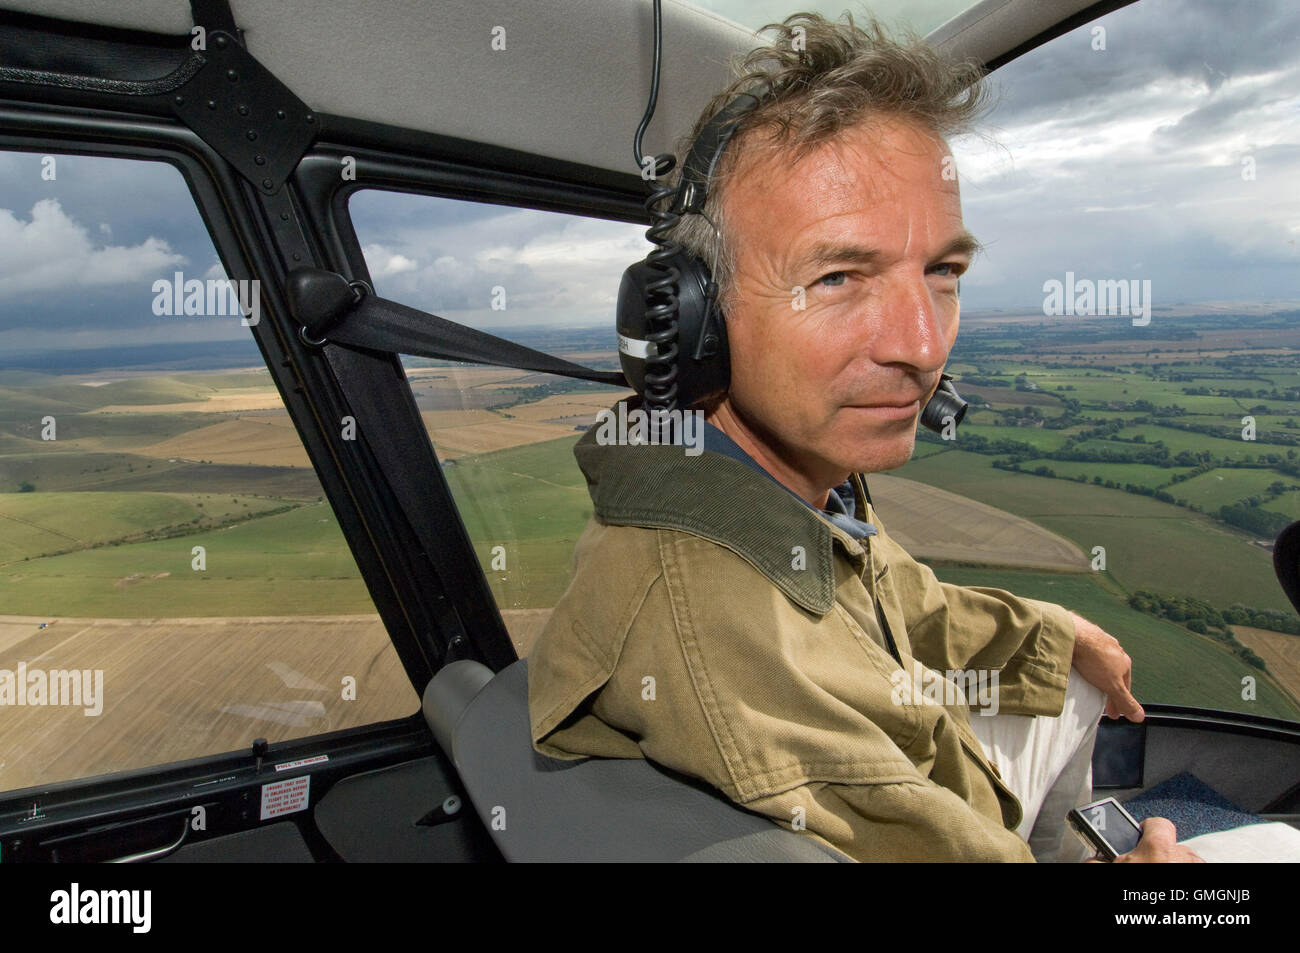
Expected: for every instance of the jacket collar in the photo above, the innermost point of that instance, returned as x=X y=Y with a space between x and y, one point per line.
x=718 y=497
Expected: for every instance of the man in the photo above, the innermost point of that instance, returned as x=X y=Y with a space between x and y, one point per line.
x=740 y=615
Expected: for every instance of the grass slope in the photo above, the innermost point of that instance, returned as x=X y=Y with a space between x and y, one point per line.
x=294 y=563
x=1171 y=665
x=1149 y=545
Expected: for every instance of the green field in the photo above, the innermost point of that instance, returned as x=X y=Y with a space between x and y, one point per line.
x=62 y=470
x=1281 y=379
x=1227 y=485
x=124 y=431
x=1149 y=544
x=1139 y=474
x=532 y=501
x=106 y=509
x=1106 y=416
x=1171 y=665
x=1177 y=440
x=1276 y=423
x=25 y=388
x=1034 y=436
x=925 y=449
x=294 y=563
x=35 y=524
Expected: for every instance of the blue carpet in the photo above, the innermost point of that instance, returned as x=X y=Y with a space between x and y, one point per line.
x=1193 y=806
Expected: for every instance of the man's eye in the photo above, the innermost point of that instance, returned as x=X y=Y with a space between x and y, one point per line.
x=953 y=270
x=834 y=279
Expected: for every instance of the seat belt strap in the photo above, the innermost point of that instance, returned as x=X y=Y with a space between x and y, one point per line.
x=331 y=309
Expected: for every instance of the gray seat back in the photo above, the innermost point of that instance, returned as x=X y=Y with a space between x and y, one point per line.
x=597 y=809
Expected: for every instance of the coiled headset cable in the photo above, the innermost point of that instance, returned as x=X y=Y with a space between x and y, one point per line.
x=661 y=300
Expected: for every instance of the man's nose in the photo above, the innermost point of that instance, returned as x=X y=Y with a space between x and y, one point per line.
x=913 y=326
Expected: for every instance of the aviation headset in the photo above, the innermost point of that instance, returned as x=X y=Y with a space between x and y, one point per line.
x=672 y=334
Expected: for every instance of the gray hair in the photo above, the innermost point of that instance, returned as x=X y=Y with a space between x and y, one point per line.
x=822 y=78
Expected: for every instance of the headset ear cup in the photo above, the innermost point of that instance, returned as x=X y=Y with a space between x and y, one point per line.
x=704 y=360
x=716 y=379
x=702 y=363
x=630 y=322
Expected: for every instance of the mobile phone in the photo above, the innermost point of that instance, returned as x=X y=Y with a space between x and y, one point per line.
x=1106 y=827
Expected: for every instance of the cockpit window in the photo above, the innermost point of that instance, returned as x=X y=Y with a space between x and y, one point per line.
x=173 y=583
x=1130 y=345
x=504 y=437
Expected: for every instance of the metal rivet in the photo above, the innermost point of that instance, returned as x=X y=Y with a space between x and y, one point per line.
x=179 y=100
x=212 y=104
x=284 y=216
x=251 y=135
x=279 y=114
x=232 y=76
x=311 y=118
x=243 y=110
x=221 y=42
x=267 y=183
x=297 y=256
x=259 y=160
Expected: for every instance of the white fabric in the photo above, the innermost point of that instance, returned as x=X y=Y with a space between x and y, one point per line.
x=1272 y=843
x=1041 y=758
x=1047 y=764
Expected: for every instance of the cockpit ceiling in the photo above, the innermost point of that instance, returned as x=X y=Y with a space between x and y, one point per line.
x=571 y=82
x=921 y=16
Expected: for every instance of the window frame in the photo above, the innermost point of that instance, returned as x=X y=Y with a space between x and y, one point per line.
x=247 y=237
x=215 y=191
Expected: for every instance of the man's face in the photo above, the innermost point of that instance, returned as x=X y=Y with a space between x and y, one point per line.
x=870 y=227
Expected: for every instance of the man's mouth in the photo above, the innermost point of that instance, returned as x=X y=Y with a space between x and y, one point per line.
x=890 y=411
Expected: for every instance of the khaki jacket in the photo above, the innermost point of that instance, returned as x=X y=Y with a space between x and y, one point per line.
x=717 y=625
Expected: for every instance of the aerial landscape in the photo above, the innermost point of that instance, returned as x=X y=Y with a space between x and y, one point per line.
x=1135 y=474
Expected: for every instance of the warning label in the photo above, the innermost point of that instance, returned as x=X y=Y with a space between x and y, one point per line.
x=301 y=762
x=285 y=797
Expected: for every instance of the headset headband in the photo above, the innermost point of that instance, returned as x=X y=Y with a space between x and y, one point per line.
x=709 y=145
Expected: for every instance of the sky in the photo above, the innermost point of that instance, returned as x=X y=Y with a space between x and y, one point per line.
x=1173 y=154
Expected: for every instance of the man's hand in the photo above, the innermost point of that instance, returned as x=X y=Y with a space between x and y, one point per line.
x=1159 y=845
x=1103 y=662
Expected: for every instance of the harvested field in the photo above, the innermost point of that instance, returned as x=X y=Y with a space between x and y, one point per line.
x=446 y=419
x=461 y=377
x=460 y=388
x=181 y=688
x=1280 y=652
x=253 y=441
x=935 y=524
x=577 y=420
x=484 y=438
x=233 y=401
x=561 y=405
